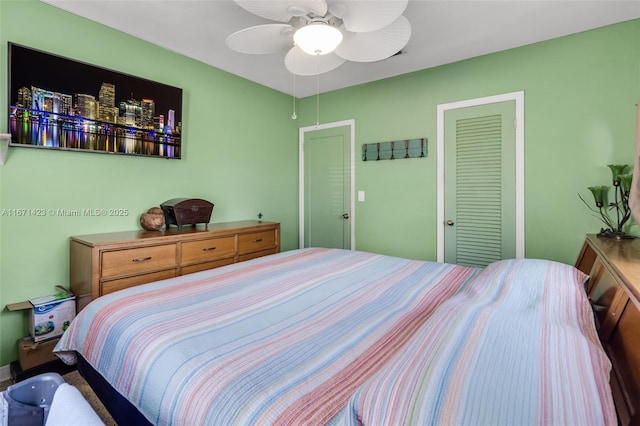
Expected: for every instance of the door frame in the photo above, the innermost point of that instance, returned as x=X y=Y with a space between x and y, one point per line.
x=352 y=207
x=518 y=97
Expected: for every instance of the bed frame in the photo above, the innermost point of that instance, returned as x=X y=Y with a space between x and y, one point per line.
x=614 y=292
x=121 y=410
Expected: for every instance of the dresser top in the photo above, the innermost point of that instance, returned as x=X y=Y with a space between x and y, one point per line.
x=623 y=256
x=173 y=233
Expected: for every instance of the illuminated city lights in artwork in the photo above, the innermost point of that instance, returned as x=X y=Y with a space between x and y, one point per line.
x=100 y=112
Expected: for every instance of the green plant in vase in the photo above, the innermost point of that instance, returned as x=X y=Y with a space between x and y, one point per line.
x=613 y=213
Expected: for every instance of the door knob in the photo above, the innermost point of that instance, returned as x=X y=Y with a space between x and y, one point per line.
x=450 y=222
x=345 y=216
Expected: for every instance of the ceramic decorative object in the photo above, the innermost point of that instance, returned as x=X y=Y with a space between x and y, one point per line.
x=153 y=219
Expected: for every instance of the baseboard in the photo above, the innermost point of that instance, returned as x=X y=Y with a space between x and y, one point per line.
x=5 y=373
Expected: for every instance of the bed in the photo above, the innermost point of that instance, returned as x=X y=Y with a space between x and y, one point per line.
x=329 y=336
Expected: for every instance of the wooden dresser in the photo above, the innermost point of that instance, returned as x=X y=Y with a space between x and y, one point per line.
x=614 y=293
x=104 y=263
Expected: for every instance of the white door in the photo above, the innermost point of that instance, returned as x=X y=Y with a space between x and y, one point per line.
x=326 y=186
x=481 y=209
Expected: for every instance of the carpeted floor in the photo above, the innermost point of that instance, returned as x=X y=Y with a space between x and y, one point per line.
x=74 y=378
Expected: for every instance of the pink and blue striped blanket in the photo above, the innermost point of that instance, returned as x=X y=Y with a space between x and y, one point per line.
x=327 y=336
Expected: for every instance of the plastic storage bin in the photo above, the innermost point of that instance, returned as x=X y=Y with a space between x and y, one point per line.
x=29 y=401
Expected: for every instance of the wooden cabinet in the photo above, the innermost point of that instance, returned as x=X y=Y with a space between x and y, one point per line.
x=103 y=263
x=614 y=292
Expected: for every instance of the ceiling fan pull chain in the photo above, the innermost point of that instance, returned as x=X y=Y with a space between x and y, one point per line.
x=317 y=100
x=317 y=95
x=294 y=115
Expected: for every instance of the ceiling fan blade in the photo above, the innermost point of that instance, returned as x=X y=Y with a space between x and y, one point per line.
x=262 y=39
x=283 y=10
x=365 y=16
x=300 y=63
x=375 y=45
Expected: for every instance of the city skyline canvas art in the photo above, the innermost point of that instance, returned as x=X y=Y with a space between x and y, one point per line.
x=59 y=103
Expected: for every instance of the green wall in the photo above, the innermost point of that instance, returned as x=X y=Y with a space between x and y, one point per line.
x=240 y=152
x=580 y=96
x=241 y=147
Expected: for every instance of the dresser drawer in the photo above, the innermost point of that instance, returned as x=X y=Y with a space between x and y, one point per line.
x=256 y=241
x=207 y=250
x=206 y=265
x=122 y=283
x=138 y=260
x=256 y=254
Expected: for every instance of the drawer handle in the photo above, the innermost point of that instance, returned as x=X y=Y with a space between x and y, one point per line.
x=258 y=240
x=209 y=248
x=141 y=259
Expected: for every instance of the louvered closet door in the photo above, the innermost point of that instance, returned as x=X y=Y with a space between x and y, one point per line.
x=480 y=184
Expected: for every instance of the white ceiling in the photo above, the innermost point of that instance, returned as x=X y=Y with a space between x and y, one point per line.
x=443 y=31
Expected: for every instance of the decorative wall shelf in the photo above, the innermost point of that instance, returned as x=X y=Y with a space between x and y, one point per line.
x=395 y=150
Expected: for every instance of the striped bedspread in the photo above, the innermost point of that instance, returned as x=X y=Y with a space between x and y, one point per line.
x=515 y=347
x=317 y=336
x=282 y=339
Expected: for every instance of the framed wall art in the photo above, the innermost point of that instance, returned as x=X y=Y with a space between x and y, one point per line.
x=62 y=104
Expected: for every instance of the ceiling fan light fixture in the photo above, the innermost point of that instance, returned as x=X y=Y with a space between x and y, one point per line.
x=317 y=38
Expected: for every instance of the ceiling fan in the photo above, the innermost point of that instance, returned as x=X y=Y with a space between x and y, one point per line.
x=321 y=35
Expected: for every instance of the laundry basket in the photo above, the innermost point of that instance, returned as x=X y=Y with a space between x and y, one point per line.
x=28 y=401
